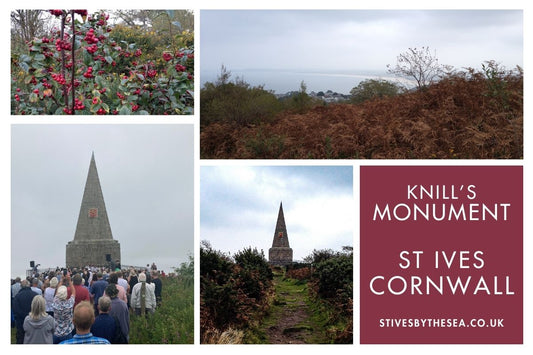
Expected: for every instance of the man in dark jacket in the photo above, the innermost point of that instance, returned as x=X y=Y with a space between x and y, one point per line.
x=22 y=307
x=158 y=287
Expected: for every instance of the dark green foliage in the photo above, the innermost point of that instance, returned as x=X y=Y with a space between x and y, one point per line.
x=335 y=276
x=232 y=291
x=318 y=256
x=371 y=89
x=251 y=259
x=236 y=102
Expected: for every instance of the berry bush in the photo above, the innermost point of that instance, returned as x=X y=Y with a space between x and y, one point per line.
x=80 y=69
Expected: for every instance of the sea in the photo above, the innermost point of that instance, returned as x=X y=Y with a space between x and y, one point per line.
x=283 y=81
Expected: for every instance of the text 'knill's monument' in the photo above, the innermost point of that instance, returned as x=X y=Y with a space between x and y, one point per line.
x=93 y=242
x=281 y=252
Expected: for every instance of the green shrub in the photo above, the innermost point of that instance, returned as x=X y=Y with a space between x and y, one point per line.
x=371 y=89
x=236 y=102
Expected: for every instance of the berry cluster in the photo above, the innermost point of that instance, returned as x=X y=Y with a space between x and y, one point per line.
x=56 y=13
x=89 y=73
x=78 y=104
x=92 y=49
x=90 y=37
x=59 y=78
x=60 y=45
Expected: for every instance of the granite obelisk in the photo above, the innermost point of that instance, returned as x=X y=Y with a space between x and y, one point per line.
x=93 y=242
x=281 y=252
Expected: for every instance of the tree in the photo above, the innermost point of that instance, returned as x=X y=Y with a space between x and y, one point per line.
x=26 y=25
x=420 y=65
x=372 y=88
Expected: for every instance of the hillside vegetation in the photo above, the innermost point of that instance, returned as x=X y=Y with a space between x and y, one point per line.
x=465 y=115
x=245 y=300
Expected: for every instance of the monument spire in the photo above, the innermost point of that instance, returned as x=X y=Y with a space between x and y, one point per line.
x=93 y=222
x=93 y=242
x=281 y=252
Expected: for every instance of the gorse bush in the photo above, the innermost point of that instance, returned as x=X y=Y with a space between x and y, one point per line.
x=79 y=68
x=232 y=291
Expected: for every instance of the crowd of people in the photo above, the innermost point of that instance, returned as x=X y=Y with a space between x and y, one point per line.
x=89 y=306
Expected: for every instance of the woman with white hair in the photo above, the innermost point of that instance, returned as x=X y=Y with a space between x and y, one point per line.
x=63 y=308
x=49 y=294
x=38 y=325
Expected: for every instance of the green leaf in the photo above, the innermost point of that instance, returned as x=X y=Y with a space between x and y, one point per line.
x=140 y=76
x=124 y=110
x=87 y=58
x=24 y=66
x=100 y=81
x=143 y=112
x=132 y=98
x=39 y=57
x=108 y=59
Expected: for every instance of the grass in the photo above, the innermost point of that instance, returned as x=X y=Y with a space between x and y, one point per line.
x=173 y=322
x=291 y=296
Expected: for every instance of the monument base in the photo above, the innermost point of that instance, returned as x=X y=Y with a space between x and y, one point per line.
x=280 y=255
x=92 y=252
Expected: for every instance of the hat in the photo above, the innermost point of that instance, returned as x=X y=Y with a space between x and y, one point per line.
x=142 y=277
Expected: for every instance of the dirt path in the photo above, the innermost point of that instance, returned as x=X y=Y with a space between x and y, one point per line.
x=289 y=321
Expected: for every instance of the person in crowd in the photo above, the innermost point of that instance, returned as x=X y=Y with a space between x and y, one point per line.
x=38 y=325
x=83 y=319
x=143 y=296
x=82 y=294
x=97 y=289
x=113 y=279
x=158 y=287
x=104 y=325
x=63 y=310
x=132 y=280
x=35 y=286
x=22 y=307
x=120 y=311
x=15 y=288
x=86 y=277
x=49 y=294
x=122 y=281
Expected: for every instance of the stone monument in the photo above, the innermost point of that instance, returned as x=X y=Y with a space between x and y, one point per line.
x=93 y=242
x=281 y=252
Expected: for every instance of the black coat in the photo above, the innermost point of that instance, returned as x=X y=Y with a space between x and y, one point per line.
x=22 y=304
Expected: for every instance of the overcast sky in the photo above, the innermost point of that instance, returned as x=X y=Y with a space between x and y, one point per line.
x=146 y=175
x=355 y=40
x=239 y=207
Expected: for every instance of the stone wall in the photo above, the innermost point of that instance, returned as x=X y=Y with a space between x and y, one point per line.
x=280 y=256
x=83 y=253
